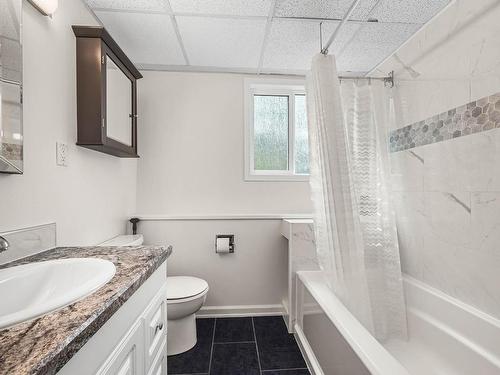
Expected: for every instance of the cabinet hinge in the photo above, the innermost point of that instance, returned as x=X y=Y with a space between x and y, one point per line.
x=102 y=60
x=102 y=122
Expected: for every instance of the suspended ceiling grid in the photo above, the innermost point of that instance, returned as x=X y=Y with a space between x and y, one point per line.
x=259 y=36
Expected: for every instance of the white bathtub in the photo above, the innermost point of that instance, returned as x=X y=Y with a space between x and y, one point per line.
x=446 y=336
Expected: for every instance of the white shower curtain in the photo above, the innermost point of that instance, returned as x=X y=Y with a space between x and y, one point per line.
x=355 y=228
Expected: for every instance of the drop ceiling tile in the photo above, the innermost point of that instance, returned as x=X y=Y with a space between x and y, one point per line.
x=222 y=7
x=372 y=44
x=144 y=5
x=145 y=38
x=322 y=8
x=293 y=43
x=343 y=38
x=419 y=11
x=222 y=42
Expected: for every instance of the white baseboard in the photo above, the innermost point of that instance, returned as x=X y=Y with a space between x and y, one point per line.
x=239 y=311
x=307 y=352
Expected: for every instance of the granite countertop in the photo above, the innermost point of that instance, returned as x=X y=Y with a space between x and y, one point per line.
x=44 y=345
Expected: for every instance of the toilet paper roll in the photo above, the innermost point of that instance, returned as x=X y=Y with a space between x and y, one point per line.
x=222 y=245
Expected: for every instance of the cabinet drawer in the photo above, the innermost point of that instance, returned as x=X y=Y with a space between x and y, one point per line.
x=127 y=358
x=159 y=366
x=155 y=324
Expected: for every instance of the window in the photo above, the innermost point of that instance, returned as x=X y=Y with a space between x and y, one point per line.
x=276 y=137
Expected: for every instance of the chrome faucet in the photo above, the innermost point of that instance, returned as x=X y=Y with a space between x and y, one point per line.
x=4 y=244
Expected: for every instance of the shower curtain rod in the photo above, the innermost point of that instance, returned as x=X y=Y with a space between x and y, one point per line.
x=388 y=80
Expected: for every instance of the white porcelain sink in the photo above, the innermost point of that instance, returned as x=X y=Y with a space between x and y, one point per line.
x=32 y=290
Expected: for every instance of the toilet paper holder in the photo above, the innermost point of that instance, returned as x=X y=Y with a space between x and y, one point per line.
x=231 y=243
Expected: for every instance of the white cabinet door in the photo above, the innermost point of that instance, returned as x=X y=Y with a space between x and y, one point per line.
x=159 y=366
x=155 y=325
x=128 y=357
x=128 y=366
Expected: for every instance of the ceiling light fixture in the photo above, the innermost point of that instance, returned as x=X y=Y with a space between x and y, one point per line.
x=46 y=7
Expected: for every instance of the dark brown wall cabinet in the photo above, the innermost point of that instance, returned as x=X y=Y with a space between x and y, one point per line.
x=106 y=94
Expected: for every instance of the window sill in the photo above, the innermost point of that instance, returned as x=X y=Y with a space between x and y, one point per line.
x=276 y=178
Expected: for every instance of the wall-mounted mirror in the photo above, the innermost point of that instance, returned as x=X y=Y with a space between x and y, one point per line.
x=11 y=107
x=118 y=103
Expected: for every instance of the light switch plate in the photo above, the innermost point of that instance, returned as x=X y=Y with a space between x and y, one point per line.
x=61 y=154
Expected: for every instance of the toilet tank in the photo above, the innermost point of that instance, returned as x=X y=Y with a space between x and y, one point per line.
x=125 y=240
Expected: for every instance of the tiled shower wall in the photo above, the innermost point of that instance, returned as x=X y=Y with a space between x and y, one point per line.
x=446 y=191
x=446 y=176
x=474 y=117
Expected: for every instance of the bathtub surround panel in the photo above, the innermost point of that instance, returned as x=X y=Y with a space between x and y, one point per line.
x=458 y=44
x=473 y=117
x=410 y=220
x=45 y=344
x=466 y=164
x=446 y=208
x=407 y=170
x=445 y=191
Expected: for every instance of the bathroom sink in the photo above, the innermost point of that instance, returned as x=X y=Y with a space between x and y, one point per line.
x=32 y=290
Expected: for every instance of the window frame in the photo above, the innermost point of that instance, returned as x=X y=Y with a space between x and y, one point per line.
x=272 y=87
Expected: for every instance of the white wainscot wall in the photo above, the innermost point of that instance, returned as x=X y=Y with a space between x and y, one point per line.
x=251 y=280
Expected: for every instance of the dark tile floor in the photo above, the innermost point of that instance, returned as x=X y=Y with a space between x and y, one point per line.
x=241 y=346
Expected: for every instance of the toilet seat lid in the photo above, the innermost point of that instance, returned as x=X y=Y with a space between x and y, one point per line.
x=179 y=287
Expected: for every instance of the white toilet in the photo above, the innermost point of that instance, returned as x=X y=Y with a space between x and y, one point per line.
x=185 y=296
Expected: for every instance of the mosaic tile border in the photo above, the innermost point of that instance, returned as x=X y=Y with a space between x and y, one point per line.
x=11 y=151
x=473 y=117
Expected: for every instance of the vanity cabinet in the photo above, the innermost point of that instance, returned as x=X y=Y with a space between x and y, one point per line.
x=106 y=94
x=127 y=358
x=134 y=339
x=143 y=348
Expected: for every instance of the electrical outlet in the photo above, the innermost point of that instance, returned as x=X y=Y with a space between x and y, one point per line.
x=61 y=154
